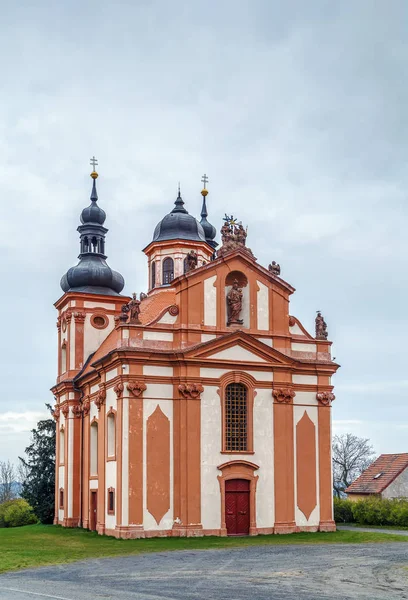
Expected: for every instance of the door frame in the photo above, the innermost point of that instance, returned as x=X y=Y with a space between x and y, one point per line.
x=239 y=469
x=93 y=515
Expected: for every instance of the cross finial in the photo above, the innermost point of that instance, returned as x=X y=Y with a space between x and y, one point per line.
x=94 y=163
x=204 y=179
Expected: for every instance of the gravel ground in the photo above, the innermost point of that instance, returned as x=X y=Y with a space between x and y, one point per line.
x=372 y=530
x=369 y=571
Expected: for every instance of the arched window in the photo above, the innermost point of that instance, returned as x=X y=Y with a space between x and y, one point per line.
x=111 y=434
x=168 y=270
x=236 y=418
x=63 y=358
x=94 y=449
x=62 y=446
x=153 y=274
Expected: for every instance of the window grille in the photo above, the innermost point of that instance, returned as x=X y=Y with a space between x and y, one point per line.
x=236 y=418
x=168 y=270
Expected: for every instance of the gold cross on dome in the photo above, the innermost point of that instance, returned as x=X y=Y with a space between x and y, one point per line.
x=204 y=179
x=94 y=162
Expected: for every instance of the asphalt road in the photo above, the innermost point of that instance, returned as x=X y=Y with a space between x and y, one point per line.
x=315 y=572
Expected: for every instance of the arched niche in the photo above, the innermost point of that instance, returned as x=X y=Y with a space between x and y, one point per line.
x=243 y=284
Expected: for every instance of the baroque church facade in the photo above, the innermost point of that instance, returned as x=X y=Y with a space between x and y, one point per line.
x=202 y=407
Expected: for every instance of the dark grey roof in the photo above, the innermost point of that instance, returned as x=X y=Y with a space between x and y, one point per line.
x=93 y=213
x=179 y=225
x=209 y=230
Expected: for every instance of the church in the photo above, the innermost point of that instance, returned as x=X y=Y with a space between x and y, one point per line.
x=201 y=407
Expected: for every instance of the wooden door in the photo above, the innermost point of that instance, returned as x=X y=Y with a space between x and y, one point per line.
x=237 y=506
x=93 y=511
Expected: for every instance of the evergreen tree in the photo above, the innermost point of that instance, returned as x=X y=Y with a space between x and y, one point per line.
x=39 y=470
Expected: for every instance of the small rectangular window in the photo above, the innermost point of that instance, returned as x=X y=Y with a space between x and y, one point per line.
x=61 y=499
x=111 y=501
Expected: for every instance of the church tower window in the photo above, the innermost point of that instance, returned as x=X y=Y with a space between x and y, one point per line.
x=168 y=270
x=236 y=418
x=153 y=274
x=94 y=449
x=111 y=435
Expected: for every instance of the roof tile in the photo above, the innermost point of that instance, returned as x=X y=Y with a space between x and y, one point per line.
x=379 y=474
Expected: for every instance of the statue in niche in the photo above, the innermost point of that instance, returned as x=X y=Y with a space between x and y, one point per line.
x=274 y=268
x=234 y=304
x=192 y=260
x=321 y=327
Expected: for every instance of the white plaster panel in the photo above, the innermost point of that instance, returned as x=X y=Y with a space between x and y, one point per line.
x=159 y=390
x=266 y=341
x=237 y=353
x=149 y=522
x=161 y=371
x=314 y=517
x=263 y=306
x=207 y=337
x=264 y=457
x=210 y=458
x=125 y=334
x=71 y=395
x=163 y=336
x=61 y=477
x=295 y=330
x=299 y=347
x=94 y=337
x=95 y=388
x=93 y=484
x=111 y=374
x=308 y=379
x=261 y=375
x=125 y=461
x=305 y=398
x=213 y=373
x=70 y=426
x=398 y=488
x=168 y=319
x=107 y=305
x=60 y=514
x=93 y=413
x=63 y=398
x=72 y=346
x=210 y=301
x=72 y=303
x=62 y=420
x=110 y=481
x=111 y=399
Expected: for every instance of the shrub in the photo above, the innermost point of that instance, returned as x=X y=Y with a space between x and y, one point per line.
x=343 y=511
x=16 y=513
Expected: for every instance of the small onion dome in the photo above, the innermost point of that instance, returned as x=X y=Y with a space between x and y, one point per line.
x=209 y=230
x=179 y=225
x=93 y=213
x=92 y=274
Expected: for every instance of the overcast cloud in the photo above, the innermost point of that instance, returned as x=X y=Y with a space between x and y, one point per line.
x=297 y=113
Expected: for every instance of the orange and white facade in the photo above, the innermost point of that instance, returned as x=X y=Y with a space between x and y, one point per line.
x=180 y=425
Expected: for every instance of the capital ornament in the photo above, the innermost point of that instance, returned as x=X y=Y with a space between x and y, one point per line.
x=136 y=388
x=118 y=389
x=77 y=411
x=56 y=412
x=191 y=390
x=325 y=398
x=86 y=406
x=65 y=410
x=284 y=395
x=100 y=398
x=79 y=317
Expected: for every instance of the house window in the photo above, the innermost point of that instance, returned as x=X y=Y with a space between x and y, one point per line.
x=111 y=501
x=61 y=498
x=168 y=270
x=94 y=449
x=236 y=418
x=111 y=435
x=153 y=274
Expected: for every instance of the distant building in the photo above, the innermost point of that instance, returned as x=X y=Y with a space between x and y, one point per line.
x=201 y=408
x=386 y=477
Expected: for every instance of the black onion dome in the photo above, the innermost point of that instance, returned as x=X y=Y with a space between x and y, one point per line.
x=179 y=224
x=209 y=230
x=92 y=274
x=93 y=213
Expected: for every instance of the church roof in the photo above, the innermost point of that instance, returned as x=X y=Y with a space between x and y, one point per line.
x=179 y=225
x=379 y=475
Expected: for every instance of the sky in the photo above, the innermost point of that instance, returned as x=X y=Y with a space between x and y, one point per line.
x=297 y=113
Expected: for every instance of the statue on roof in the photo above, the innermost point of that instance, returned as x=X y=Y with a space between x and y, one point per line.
x=234 y=304
x=233 y=236
x=192 y=260
x=274 y=268
x=321 y=327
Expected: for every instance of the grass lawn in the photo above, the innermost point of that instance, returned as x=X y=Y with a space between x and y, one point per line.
x=39 y=545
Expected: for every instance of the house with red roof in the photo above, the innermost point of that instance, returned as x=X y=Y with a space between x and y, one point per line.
x=386 y=477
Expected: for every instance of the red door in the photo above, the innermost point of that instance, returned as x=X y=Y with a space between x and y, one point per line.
x=237 y=506
x=93 y=509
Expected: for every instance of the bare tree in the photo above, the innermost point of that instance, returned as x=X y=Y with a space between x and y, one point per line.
x=7 y=479
x=351 y=456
